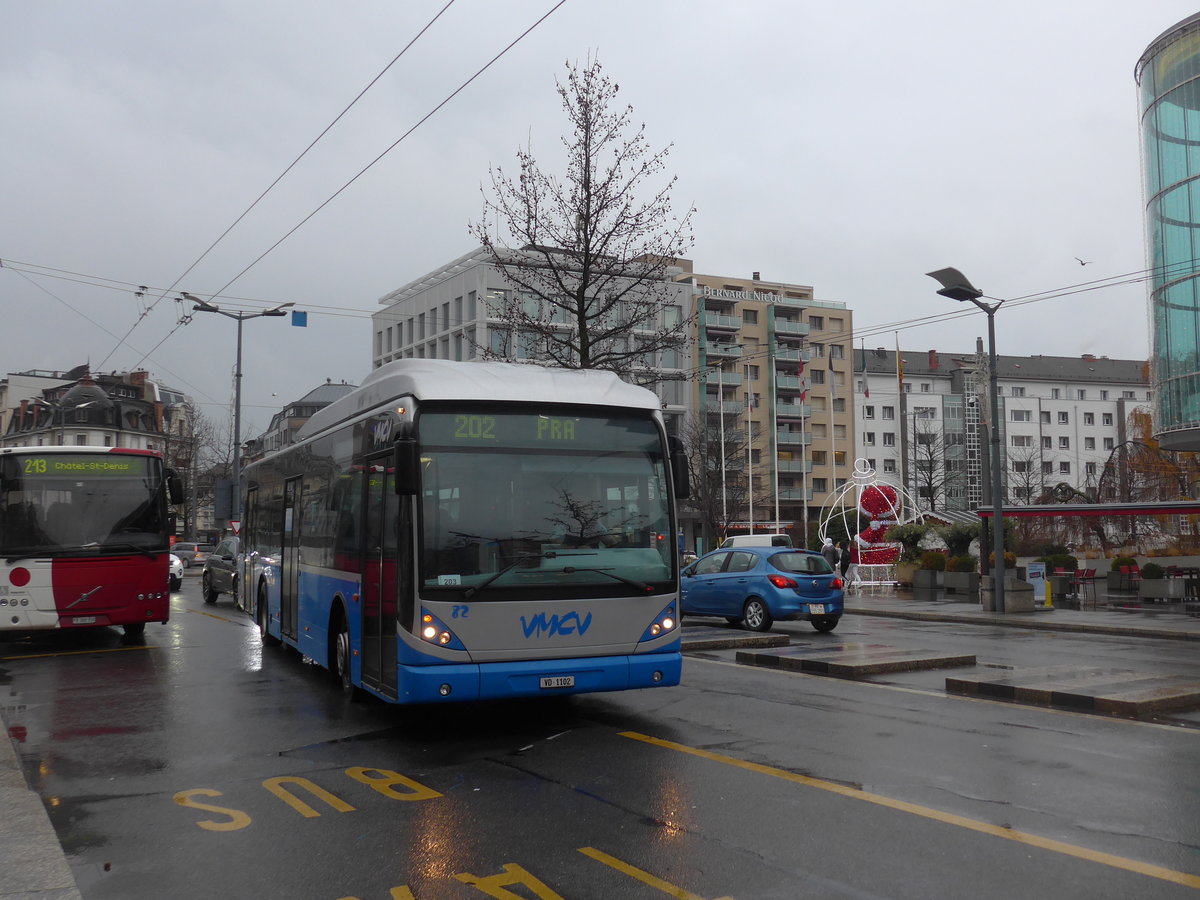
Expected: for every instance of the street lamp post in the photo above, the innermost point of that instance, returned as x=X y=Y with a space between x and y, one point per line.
x=956 y=286
x=205 y=306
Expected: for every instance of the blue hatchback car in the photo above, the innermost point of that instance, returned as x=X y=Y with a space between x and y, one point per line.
x=754 y=586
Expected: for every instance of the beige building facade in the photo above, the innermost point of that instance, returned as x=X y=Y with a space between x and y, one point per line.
x=775 y=373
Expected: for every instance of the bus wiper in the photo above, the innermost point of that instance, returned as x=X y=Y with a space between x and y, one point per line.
x=525 y=557
x=121 y=545
x=640 y=585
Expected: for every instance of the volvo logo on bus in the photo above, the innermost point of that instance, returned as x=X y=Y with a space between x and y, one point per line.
x=542 y=625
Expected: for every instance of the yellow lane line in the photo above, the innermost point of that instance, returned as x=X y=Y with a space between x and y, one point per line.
x=1021 y=837
x=200 y=612
x=645 y=877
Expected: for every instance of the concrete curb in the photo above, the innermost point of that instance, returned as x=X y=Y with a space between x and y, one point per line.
x=31 y=859
x=1015 y=620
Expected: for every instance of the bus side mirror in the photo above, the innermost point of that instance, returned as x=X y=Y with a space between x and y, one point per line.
x=174 y=487
x=407 y=464
x=679 y=468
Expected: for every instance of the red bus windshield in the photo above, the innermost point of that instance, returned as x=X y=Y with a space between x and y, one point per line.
x=81 y=503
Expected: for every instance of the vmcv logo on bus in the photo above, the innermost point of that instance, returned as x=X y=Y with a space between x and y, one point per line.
x=542 y=625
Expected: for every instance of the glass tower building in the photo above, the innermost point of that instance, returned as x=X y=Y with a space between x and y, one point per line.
x=1168 y=78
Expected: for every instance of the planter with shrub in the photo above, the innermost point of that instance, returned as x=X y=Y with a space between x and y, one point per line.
x=962 y=574
x=929 y=573
x=1155 y=585
x=1117 y=581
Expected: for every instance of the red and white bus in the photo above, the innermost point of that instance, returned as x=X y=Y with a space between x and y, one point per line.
x=84 y=538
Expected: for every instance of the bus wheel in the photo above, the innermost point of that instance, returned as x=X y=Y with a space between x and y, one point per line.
x=268 y=639
x=341 y=660
x=134 y=630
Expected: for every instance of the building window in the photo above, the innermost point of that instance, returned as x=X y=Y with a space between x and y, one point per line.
x=924 y=387
x=1108 y=444
x=1047 y=442
x=749 y=316
x=1022 y=415
x=1020 y=465
x=868 y=412
x=1089 y=468
x=1064 y=468
x=1106 y=418
x=925 y=412
x=839 y=404
x=1089 y=443
x=1021 y=440
x=1055 y=394
x=889 y=465
x=1081 y=394
x=869 y=438
x=1047 y=468
x=1064 y=418
x=752 y=373
x=1018 y=392
x=837 y=351
x=889 y=412
x=820 y=485
x=1127 y=395
x=889 y=439
x=1064 y=443
x=1104 y=395
x=816 y=323
x=1044 y=417
x=1089 y=418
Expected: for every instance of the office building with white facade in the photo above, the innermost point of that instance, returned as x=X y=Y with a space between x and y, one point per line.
x=452 y=313
x=923 y=425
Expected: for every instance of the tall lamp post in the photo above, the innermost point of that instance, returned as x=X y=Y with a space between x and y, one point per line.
x=205 y=306
x=956 y=286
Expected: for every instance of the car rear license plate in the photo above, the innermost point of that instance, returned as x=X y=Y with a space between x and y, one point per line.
x=84 y=620
x=558 y=681
x=816 y=609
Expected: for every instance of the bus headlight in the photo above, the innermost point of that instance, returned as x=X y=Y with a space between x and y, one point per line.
x=664 y=623
x=433 y=631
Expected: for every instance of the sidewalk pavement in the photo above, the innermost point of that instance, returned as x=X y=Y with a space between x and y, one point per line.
x=32 y=863
x=1164 y=620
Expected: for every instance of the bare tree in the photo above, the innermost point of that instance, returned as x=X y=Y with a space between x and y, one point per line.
x=717 y=509
x=933 y=473
x=1026 y=481
x=589 y=260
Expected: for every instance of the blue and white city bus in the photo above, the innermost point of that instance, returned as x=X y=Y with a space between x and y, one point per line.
x=458 y=531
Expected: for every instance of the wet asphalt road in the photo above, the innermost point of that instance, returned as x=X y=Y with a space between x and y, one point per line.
x=202 y=766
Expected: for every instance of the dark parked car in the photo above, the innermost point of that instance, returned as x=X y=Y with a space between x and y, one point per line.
x=754 y=586
x=192 y=554
x=221 y=569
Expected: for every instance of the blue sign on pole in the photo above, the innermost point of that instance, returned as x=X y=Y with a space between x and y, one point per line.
x=299 y=319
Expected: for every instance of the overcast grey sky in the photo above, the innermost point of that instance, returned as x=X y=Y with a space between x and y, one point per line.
x=851 y=146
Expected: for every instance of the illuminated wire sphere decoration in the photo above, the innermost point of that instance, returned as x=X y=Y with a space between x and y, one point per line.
x=879 y=505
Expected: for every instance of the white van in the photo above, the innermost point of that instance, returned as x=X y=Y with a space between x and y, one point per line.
x=757 y=540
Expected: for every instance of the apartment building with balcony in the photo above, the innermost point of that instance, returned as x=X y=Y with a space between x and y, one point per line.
x=775 y=375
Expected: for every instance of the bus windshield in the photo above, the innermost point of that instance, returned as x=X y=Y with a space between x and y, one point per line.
x=81 y=503
x=519 y=500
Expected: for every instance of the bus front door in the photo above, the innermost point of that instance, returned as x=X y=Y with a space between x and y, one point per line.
x=380 y=556
x=290 y=574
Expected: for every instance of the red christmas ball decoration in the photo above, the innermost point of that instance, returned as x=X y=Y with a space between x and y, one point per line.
x=879 y=500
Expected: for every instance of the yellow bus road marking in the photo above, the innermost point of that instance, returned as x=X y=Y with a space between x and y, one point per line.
x=1021 y=837
x=79 y=652
x=642 y=876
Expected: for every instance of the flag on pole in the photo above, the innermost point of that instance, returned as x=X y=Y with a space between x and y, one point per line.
x=866 y=387
x=830 y=376
x=899 y=366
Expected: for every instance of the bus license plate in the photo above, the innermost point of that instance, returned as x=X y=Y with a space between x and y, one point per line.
x=816 y=609
x=558 y=681
x=84 y=620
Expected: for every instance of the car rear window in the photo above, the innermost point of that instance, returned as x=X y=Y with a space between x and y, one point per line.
x=802 y=563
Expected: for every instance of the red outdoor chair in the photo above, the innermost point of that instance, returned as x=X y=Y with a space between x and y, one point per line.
x=1084 y=580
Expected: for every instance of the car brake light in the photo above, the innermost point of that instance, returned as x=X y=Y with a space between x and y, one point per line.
x=781 y=581
x=836 y=584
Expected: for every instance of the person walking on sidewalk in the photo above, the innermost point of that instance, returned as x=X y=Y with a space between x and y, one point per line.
x=830 y=553
x=848 y=562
